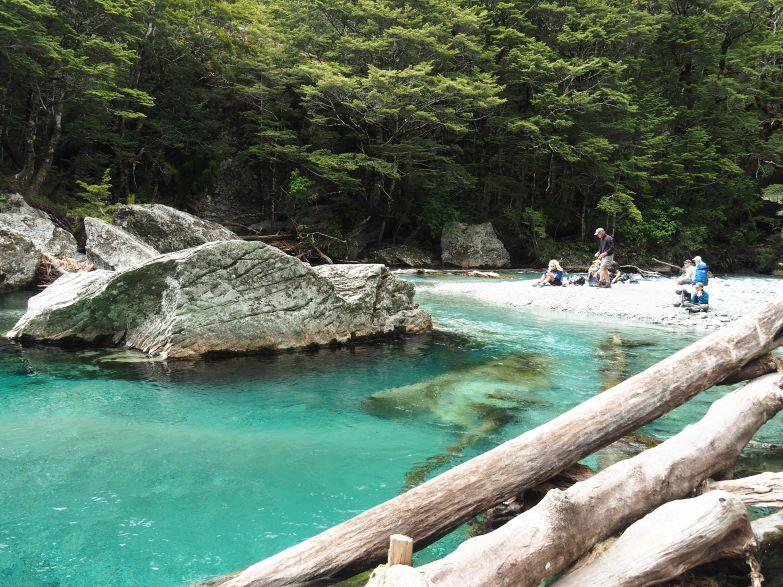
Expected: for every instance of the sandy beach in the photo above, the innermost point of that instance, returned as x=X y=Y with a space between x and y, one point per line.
x=650 y=301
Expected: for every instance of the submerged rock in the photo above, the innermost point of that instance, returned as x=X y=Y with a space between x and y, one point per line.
x=19 y=260
x=111 y=247
x=473 y=245
x=18 y=215
x=230 y=296
x=167 y=230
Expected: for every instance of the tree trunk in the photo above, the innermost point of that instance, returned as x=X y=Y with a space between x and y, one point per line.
x=673 y=539
x=567 y=524
x=764 y=490
x=25 y=174
x=440 y=505
x=54 y=141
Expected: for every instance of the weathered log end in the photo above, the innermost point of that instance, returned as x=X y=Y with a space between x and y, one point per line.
x=674 y=538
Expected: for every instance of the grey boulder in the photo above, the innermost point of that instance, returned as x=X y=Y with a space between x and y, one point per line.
x=18 y=215
x=167 y=229
x=110 y=247
x=403 y=255
x=222 y=297
x=473 y=245
x=19 y=260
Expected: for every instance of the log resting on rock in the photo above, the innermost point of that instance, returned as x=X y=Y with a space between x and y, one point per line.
x=764 y=490
x=567 y=524
x=673 y=539
x=433 y=509
x=222 y=297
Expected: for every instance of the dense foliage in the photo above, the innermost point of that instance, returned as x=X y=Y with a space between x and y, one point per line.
x=377 y=121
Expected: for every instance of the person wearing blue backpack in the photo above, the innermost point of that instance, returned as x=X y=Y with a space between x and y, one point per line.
x=701 y=274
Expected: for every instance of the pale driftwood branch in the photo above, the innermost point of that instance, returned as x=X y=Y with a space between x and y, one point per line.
x=669 y=264
x=754 y=369
x=567 y=524
x=431 y=510
x=764 y=490
x=395 y=576
x=674 y=538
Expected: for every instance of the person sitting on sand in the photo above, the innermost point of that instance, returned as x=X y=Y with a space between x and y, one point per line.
x=552 y=276
x=592 y=272
x=689 y=271
x=700 y=299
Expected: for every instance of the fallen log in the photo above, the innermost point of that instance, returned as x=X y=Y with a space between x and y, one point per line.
x=673 y=539
x=566 y=524
x=438 y=506
x=764 y=490
x=754 y=369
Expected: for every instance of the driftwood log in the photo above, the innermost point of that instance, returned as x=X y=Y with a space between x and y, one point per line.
x=764 y=490
x=438 y=506
x=768 y=530
x=567 y=524
x=754 y=369
x=674 y=538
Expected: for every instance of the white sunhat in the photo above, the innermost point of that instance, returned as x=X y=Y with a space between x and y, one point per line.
x=597 y=230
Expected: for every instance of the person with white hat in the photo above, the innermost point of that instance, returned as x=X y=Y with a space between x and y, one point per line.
x=606 y=255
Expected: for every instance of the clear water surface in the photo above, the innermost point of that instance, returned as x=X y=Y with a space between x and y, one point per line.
x=118 y=470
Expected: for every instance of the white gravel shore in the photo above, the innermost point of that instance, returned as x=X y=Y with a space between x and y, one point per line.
x=650 y=301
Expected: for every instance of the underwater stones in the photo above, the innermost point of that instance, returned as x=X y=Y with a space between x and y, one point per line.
x=18 y=215
x=222 y=297
x=167 y=229
x=473 y=245
x=110 y=247
x=19 y=259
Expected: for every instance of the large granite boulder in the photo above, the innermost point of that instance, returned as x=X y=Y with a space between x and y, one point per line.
x=19 y=260
x=167 y=229
x=473 y=245
x=18 y=215
x=403 y=255
x=222 y=297
x=110 y=247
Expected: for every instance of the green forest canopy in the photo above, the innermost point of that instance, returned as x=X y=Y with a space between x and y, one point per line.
x=660 y=119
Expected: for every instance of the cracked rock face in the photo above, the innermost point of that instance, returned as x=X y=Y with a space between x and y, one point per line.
x=166 y=229
x=473 y=245
x=18 y=215
x=19 y=260
x=230 y=296
x=110 y=247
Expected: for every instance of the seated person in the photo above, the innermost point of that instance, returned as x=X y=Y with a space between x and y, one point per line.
x=592 y=272
x=700 y=299
x=552 y=276
x=615 y=274
x=689 y=270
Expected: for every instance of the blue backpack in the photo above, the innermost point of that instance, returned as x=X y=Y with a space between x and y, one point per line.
x=701 y=273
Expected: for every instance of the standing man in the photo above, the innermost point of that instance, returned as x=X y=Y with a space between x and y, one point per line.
x=606 y=255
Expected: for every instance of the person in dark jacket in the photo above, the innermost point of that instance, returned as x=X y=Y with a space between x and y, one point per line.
x=700 y=299
x=606 y=255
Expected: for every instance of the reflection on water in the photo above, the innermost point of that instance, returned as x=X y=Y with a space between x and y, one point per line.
x=119 y=470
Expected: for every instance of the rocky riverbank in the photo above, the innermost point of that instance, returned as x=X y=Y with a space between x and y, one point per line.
x=649 y=302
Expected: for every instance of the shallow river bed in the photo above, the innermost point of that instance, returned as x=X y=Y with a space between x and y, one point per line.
x=117 y=470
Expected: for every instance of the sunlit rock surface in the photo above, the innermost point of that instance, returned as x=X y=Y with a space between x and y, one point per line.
x=166 y=229
x=229 y=296
x=34 y=224
x=110 y=247
x=19 y=259
x=473 y=245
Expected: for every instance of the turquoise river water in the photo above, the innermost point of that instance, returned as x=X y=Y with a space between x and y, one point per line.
x=118 y=470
